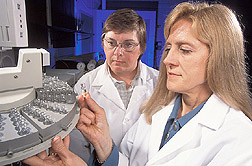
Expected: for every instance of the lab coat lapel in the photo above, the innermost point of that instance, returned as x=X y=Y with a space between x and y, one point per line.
x=110 y=92
x=158 y=124
x=184 y=139
x=214 y=113
x=178 y=143
x=138 y=93
x=189 y=136
x=105 y=86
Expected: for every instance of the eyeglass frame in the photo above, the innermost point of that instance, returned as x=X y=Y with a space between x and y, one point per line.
x=134 y=45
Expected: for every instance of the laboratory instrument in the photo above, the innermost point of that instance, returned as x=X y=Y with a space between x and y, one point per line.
x=34 y=107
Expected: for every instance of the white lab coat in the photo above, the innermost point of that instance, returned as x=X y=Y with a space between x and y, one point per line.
x=105 y=94
x=217 y=135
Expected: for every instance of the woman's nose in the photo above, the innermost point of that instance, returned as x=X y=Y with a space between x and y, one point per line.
x=118 y=50
x=171 y=58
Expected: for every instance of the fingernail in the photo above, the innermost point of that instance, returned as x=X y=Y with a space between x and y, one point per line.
x=84 y=94
x=56 y=139
x=87 y=95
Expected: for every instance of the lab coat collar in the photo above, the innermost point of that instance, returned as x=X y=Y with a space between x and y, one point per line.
x=143 y=73
x=136 y=76
x=104 y=85
x=103 y=74
x=211 y=116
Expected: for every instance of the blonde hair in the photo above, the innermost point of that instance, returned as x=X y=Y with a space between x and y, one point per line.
x=218 y=27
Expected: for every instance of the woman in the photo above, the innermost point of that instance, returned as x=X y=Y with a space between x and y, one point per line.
x=123 y=82
x=200 y=111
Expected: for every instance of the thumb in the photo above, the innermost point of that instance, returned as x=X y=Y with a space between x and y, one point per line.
x=60 y=148
x=66 y=156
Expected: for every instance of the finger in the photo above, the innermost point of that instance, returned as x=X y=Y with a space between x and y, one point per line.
x=59 y=147
x=34 y=160
x=66 y=156
x=52 y=152
x=88 y=114
x=42 y=155
x=93 y=105
x=66 y=141
x=82 y=102
x=84 y=120
x=52 y=159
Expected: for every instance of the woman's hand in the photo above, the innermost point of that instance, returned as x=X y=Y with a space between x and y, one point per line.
x=60 y=155
x=94 y=126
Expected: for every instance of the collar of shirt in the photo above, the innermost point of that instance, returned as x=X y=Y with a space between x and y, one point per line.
x=184 y=119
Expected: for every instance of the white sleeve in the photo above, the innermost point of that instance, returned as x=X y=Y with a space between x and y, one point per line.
x=126 y=145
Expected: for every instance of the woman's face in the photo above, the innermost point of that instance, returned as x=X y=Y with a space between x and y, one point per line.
x=121 y=61
x=186 y=60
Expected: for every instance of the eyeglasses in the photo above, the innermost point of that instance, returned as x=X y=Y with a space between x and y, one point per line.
x=126 y=45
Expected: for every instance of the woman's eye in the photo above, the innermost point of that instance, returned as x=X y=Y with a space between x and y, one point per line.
x=128 y=45
x=167 y=50
x=112 y=43
x=185 y=51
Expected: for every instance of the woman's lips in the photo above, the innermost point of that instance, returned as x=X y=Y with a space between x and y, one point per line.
x=173 y=74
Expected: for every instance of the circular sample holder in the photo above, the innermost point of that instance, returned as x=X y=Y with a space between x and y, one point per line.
x=29 y=129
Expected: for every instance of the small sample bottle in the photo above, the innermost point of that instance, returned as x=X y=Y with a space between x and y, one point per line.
x=83 y=90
